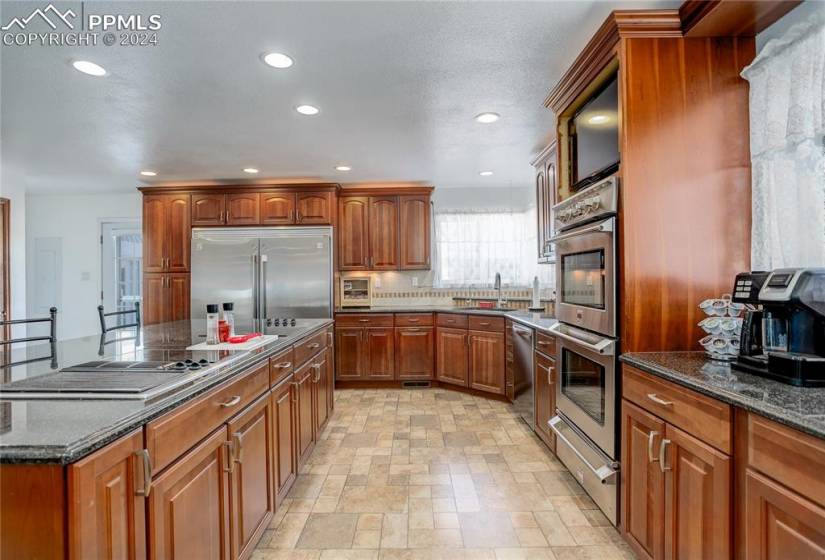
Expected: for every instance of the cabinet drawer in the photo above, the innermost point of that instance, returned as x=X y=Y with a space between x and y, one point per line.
x=703 y=417
x=364 y=320
x=413 y=319
x=546 y=344
x=486 y=323
x=281 y=365
x=171 y=435
x=452 y=320
x=308 y=347
x=790 y=456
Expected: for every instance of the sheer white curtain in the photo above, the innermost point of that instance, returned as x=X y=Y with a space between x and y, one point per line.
x=471 y=246
x=787 y=124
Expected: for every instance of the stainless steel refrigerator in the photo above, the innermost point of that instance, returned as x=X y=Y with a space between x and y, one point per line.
x=267 y=273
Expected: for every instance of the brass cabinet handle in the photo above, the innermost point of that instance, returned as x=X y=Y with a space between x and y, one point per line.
x=451 y=320
x=295 y=384
x=650 y=439
x=363 y=320
x=298 y=217
x=314 y=345
x=231 y=402
x=551 y=379
x=284 y=365
x=317 y=377
x=658 y=400
x=484 y=324
x=413 y=329
x=145 y=487
x=663 y=455
x=237 y=447
x=228 y=453
x=413 y=320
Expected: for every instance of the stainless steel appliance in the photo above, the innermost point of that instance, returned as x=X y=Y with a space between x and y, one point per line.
x=523 y=373
x=267 y=273
x=587 y=393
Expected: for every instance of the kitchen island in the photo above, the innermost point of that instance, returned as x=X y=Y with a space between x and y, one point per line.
x=214 y=456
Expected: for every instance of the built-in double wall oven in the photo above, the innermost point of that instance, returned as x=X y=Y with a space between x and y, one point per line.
x=587 y=393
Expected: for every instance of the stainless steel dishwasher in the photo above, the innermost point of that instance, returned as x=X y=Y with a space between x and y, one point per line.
x=523 y=372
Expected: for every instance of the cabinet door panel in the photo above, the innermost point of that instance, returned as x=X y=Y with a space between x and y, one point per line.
x=414 y=352
x=697 y=498
x=252 y=493
x=353 y=233
x=243 y=209
x=487 y=361
x=178 y=234
x=208 y=209
x=350 y=356
x=177 y=297
x=314 y=208
x=642 y=484
x=541 y=192
x=154 y=232
x=189 y=504
x=154 y=295
x=283 y=417
x=383 y=216
x=306 y=431
x=278 y=208
x=544 y=397
x=380 y=353
x=106 y=512
x=414 y=220
x=452 y=355
x=322 y=390
x=779 y=522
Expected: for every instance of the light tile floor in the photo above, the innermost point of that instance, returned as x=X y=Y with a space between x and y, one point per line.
x=434 y=474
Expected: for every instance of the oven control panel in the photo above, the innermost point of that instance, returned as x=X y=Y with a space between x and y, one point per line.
x=596 y=201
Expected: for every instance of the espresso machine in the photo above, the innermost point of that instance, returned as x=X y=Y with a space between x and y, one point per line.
x=783 y=331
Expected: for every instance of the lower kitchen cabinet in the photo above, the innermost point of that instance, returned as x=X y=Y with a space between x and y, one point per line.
x=452 y=355
x=544 y=397
x=284 y=411
x=486 y=361
x=320 y=390
x=107 y=496
x=189 y=509
x=414 y=353
x=252 y=492
x=380 y=352
x=305 y=418
x=364 y=353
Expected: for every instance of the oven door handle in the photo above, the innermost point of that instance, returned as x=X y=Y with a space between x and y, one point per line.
x=604 y=226
x=606 y=473
x=605 y=347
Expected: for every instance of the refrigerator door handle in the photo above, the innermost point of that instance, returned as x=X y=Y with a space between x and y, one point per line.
x=254 y=287
x=263 y=286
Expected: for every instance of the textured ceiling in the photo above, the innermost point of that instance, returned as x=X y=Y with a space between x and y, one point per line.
x=398 y=84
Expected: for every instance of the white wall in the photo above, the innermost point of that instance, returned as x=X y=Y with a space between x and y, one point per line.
x=73 y=221
x=13 y=187
x=487 y=198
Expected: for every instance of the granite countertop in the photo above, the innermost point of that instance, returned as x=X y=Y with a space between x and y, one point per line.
x=536 y=320
x=63 y=431
x=802 y=408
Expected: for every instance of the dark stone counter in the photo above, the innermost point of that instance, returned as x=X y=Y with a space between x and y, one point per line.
x=802 y=408
x=63 y=431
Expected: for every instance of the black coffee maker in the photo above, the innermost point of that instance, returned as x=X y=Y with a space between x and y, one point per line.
x=785 y=339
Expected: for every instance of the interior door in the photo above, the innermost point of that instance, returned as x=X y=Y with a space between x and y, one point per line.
x=296 y=272
x=224 y=269
x=5 y=274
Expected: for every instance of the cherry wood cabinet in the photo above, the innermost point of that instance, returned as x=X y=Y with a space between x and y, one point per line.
x=545 y=174
x=209 y=209
x=414 y=232
x=252 y=492
x=277 y=208
x=384 y=230
x=414 y=352
x=107 y=496
x=320 y=390
x=313 y=208
x=305 y=415
x=452 y=355
x=284 y=413
x=384 y=235
x=544 y=397
x=166 y=297
x=380 y=353
x=486 y=361
x=243 y=209
x=189 y=509
x=166 y=236
x=351 y=354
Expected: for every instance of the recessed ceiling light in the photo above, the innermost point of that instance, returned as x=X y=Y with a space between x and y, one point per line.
x=485 y=173
x=278 y=60
x=89 y=68
x=342 y=167
x=148 y=173
x=487 y=118
x=249 y=170
x=598 y=119
x=307 y=110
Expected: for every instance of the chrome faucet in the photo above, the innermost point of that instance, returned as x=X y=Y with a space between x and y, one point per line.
x=497 y=288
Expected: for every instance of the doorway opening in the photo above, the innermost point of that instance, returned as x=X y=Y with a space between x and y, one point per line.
x=121 y=267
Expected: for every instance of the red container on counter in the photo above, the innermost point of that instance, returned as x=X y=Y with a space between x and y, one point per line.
x=223 y=330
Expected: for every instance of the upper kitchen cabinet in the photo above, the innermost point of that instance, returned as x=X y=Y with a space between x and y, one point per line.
x=545 y=166
x=243 y=209
x=313 y=208
x=208 y=209
x=277 y=208
x=166 y=233
x=218 y=209
x=384 y=227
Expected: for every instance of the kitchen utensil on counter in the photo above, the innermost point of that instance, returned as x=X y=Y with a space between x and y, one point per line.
x=722 y=342
x=229 y=317
x=212 y=334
